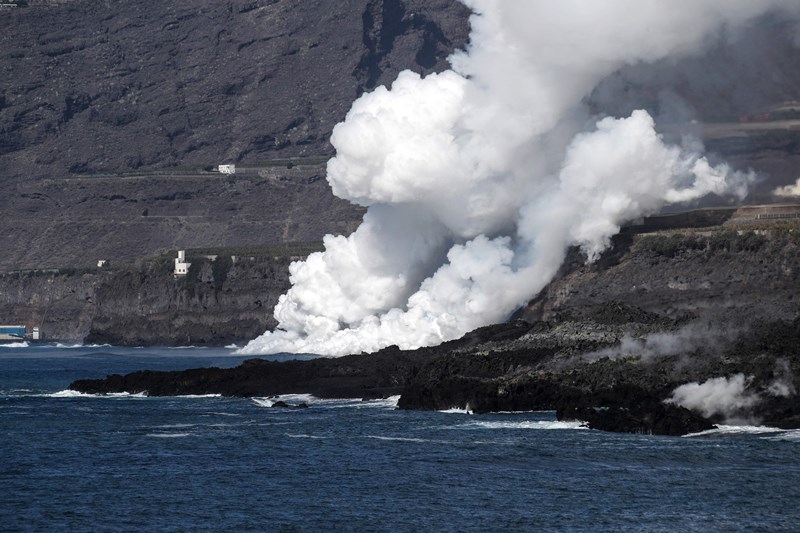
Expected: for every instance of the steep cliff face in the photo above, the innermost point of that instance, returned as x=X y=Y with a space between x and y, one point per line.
x=74 y=222
x=219 y=302
x=99 y=86
x=732 y=274
x=108 y=111
x=62 y=305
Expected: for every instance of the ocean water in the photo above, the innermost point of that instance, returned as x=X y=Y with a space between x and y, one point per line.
x=131 y=463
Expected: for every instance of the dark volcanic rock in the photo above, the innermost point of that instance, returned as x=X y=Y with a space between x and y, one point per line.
x=217 y=303
x=159 y=90
x=101 y=87
x=622 y=395
x=357 y=376
x=631 y=409
x=709 y=305
x=649 y=418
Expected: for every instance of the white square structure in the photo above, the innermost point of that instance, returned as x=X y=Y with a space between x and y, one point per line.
x=181 y=266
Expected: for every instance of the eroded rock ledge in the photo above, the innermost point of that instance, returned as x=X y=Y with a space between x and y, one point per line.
x=575 y=366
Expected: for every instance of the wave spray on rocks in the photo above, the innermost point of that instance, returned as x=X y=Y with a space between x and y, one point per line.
x=478 y=179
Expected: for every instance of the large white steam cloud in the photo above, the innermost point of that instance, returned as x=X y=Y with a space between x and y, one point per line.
x=479 y=178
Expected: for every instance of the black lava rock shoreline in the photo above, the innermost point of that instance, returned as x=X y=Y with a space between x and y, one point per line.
x=568 y=366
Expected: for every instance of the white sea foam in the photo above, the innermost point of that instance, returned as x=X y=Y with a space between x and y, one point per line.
x=304 y=436
x=68 y=393
x=788 y=436
x=78 y=346
x=333 y=403
x=190 y=347
x=406 y=439
x=169 y=435
x=737 y=430
x=456 y=410
x=525 y=424
x=298 y=398
x=75 y=394
x=262 y=402
x=23 y=344
x=383 y=403
x=290 y=399
x=71 y=394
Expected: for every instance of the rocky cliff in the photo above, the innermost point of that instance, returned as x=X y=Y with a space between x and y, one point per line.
x=76 y=221
x=670 y=332
x=93 y=86
x=220 y=301
x=109 y=112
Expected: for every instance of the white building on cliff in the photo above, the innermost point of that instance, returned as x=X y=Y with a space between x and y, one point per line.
x=181 y=266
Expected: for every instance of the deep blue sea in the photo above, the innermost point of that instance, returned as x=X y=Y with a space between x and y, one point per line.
x=123 y=463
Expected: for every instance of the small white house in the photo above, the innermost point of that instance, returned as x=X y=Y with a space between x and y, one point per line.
x=101 y=263
x=227 y=169
x=181 y=266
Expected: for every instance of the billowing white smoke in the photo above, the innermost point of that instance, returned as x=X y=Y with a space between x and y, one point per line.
x=733 y=398
x=788 y=191
x=478 y=179
x=718 y=396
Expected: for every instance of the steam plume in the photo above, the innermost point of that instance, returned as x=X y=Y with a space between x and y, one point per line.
x=788 y=191
x=479 y=178
x=727 y=397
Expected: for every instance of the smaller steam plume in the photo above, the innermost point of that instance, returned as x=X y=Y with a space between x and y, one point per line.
x=734 y=398
x=789 y=191
x=725 y=397
x=689 y=338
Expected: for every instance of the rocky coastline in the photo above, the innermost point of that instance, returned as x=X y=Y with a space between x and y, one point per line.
x=118 y=114
x=712 y=339
x=519 y=366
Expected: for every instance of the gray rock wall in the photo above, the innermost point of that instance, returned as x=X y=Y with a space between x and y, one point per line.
x=218 y=303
